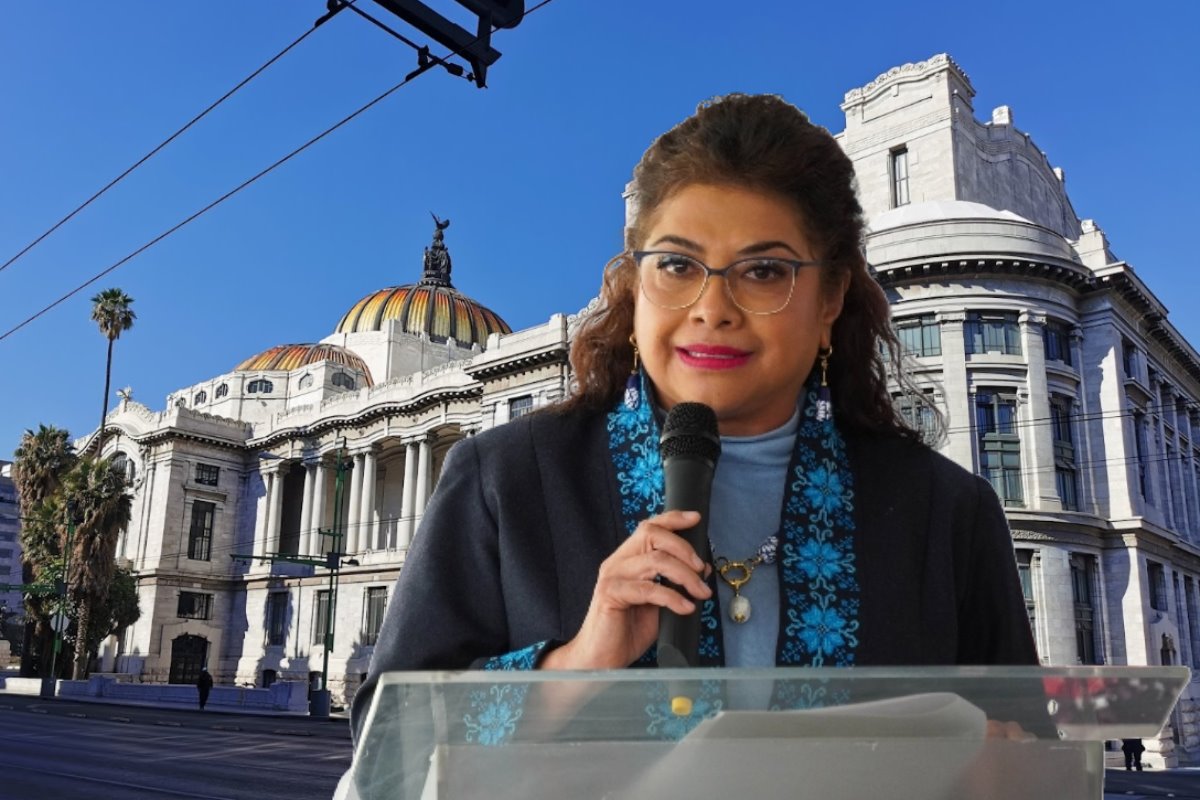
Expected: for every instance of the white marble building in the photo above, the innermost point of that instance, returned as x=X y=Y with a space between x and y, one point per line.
x=1060 y=376
x=1058 y=371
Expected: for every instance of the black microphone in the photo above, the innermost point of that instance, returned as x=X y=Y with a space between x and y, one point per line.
x=690 y=446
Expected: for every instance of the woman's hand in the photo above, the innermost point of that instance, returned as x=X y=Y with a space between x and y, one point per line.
x=622 y=620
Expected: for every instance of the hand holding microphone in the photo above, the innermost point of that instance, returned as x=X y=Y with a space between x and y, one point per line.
x=623 y=619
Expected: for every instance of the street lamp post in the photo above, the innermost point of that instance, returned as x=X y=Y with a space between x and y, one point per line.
x=59 y=621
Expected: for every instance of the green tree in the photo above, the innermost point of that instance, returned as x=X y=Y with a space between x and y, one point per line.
x=114 y=615
x=102 y=508
x=111 y=311
x=41 y=463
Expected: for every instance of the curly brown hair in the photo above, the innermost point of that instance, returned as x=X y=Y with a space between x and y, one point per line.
x=761 y=143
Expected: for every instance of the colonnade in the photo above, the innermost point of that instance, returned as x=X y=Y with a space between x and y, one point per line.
x=364 y=528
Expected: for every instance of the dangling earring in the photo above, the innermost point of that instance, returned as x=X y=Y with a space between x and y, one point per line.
x=824 y=399
x=633 y=392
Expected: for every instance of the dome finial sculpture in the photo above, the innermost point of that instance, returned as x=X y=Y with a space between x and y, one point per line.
x=437 y=257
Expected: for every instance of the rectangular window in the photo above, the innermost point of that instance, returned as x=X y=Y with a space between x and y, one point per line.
x=520 y=406
x=1174 y=488
x=920 y=416
x=1057 y=339
x=1158 y=586
x=8 y=536
x=1185 y=641
x=5 y=569
x=992 y=332
x=900 y=196
x=207 y=474
x=6 y=552
x=919 y=336
x=194 y=605
x=1064 y=452
x=1025 y=571
x=1082 y=567
x=373 y=618
x=1189 y=590
x=1141 y=449
x=200 y=534
x=999 y=444
x=1128 y=358
x=277 y=603
x=321 y=616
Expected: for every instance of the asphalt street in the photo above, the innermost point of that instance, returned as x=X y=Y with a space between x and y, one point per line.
x=57 y=749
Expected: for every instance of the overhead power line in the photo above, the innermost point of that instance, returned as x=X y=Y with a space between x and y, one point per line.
x=166 y=141
x=424 y=65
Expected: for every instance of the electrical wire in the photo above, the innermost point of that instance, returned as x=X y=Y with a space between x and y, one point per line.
x=159 y=147
x=423 y=68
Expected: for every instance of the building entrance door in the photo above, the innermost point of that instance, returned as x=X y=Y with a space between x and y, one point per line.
x=188 y=656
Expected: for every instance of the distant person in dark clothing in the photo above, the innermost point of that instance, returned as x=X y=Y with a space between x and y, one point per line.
x=204 y=686
x=1133 y=749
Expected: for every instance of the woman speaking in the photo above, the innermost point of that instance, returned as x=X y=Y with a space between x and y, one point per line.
x=838 y=538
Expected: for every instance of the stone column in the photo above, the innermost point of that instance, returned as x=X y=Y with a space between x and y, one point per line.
x=275 y=518
x=424 y=478
x=959 y=409
x=306 y=532
x=352 y=504
x=409 y=497
x=318 y=544
x=262 y=511
x=366 y=514
x=1037 y=439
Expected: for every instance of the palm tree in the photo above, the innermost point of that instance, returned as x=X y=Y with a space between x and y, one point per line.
x=42 y=462
x=102 y=509
x=111 y=311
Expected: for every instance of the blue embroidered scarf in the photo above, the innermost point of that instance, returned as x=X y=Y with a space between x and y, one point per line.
x=818 y=586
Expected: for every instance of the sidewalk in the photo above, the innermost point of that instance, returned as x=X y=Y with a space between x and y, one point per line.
x=31 y=687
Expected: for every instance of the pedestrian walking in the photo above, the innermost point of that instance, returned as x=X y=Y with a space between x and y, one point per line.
x=204 y=686
x=1133 y=749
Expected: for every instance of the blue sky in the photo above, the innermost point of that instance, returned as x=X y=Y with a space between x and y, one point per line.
x=530 y=170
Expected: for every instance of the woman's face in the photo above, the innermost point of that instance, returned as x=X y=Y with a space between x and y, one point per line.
x=749 y=368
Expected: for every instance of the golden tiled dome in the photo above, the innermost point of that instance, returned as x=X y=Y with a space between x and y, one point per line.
x=287 y=357
x=439 y=312
x=431 y=307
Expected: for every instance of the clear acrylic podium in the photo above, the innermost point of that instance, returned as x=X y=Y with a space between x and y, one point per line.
x=867 y=732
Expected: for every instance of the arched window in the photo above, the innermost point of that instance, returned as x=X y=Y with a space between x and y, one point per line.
x=343 y=380
x=201 y=397
x=222 y=390
x=260 y=386
x=122 y=465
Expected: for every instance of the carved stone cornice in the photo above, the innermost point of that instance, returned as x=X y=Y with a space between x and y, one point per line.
x=903 y=73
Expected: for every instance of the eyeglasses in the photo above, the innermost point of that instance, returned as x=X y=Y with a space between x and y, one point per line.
x=756 y=285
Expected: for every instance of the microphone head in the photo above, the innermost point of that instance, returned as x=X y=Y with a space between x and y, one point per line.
x=690 y=431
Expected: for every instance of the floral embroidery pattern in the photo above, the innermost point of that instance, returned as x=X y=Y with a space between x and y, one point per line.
x=525 y=658
x=633 y=443
x=818 y=575
x=496 y=711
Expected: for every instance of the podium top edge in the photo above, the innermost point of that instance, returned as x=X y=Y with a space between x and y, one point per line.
x=1172 y=674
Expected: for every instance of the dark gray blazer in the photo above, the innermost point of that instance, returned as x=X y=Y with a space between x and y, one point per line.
x=511 y=543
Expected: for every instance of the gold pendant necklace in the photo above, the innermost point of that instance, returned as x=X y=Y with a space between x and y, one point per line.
x=737 y=574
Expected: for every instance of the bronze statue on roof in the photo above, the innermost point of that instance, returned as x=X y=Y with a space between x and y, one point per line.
x=437 y=257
